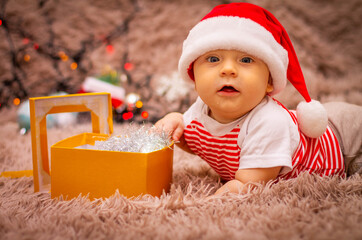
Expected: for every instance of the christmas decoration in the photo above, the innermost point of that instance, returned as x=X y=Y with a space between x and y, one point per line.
x=51 y=54
x=108 y=81
x=131 y=110
x=173 y=87
x=128 y=66
x=135 y=139
x=126 y=107
x=132 y=101
x=36 y=48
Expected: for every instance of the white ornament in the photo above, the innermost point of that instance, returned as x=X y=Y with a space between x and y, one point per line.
x=173 y=87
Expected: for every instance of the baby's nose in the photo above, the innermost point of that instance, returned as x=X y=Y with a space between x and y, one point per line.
x=228 y=69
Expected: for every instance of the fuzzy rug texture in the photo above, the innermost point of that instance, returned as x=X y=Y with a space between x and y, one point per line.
x=307 y=207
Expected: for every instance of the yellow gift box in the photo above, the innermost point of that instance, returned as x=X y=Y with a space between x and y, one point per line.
x=97 y=173
x=100 y=173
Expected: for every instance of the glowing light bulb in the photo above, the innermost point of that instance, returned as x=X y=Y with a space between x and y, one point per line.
x=128 y=66
x=26 y=57
x=63 y=56
x=127 y=115
x=110 y=49
x=1 y=22
x=139 y=104
x=74 y=66
x=26 y=41
x=36 y=46
x=144 y=114
x=16 y=101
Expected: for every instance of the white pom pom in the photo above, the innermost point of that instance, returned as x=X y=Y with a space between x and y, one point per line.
x=312 y=118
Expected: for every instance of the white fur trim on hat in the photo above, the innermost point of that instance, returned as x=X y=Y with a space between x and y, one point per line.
x=312 y=118
x=235 y=33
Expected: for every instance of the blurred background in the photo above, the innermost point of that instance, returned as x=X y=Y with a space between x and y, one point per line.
x=132 y=47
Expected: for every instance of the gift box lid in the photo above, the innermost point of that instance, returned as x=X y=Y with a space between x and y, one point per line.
x=98 y=104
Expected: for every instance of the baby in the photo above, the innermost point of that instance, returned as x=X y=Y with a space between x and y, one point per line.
x=239 y=56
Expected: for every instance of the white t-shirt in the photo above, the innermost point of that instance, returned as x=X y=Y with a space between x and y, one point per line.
x=268 y=136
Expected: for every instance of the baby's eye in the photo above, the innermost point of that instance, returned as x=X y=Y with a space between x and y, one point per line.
x=246 y=60
x=213 y=59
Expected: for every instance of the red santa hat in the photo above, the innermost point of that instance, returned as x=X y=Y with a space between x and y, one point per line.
x=254 y=30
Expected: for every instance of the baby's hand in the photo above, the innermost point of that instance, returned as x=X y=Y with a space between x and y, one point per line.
x=173 y=124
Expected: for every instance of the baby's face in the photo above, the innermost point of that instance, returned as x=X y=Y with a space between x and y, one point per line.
x=231 y=83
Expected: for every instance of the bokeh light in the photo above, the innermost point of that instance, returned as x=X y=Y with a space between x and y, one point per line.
x=110 y=49
x=74 y=66
x=16 y=101
x=127 y=115
x=139 y=104
x=63 y=56
x=26 y=57
x=128 y=66
x=123 y=78
x=144 y=114
x=26 y=41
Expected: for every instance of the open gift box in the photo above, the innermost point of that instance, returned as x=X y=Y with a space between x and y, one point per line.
x=96 y=173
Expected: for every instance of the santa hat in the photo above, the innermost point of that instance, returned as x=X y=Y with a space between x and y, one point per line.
x=254 y=30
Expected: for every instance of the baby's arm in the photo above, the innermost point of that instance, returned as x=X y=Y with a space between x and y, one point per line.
x=174 y=125
x=244 y=176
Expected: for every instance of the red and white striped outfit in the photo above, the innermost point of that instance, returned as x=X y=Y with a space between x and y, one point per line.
x=322 y=156
x=224 y=153
x=221 y=153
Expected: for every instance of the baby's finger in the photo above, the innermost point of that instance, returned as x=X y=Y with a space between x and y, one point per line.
x=161 y=127
x=176 y=135
x=159 y=124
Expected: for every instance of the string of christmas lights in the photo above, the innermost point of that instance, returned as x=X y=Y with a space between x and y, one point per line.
x=27 y=52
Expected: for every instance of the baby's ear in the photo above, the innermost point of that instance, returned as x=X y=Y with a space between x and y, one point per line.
x=270 y=87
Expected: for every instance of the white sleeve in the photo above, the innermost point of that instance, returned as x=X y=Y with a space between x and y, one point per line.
x=270 y=140
x=193 y=112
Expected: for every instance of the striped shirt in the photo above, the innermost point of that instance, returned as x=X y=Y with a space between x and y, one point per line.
x=222 y=153
x=321 y=155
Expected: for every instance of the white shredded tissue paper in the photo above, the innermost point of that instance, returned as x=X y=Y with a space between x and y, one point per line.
x=136 y=139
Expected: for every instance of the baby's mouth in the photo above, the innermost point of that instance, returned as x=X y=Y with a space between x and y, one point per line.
x=228 y=89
